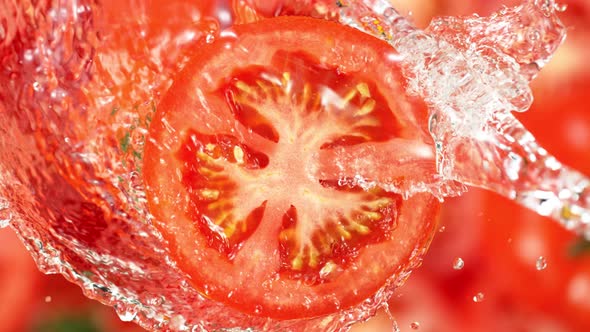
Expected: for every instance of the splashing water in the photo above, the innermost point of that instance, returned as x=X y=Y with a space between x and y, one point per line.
x=479 y=297
x=458 y=263
x=541 y=263
x=474 y=72
x=76 y=195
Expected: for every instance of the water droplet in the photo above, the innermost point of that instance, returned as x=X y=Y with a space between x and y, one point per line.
x=257 y=309
x=541 y=263
x=415 y=325
x=126 y=316
x=28 y=55
x=210 y=38
x=533 y=35
x=37 y=86
x=5 y=215
x=458 y=263
x=479 y=297
x=560 y=7
x=48 y=299
x=442 y=229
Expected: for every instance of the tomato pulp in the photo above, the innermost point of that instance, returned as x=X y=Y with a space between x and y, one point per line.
x=261 y=162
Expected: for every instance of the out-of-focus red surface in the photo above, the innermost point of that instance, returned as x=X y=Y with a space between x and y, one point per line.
x=34 y=302
x=499 y=242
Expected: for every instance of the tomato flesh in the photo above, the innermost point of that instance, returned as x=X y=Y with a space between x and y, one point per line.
x=260 y=169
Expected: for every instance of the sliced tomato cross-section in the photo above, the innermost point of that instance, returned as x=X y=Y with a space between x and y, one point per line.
x=270 y=162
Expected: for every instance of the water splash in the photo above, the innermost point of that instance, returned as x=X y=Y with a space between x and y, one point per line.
x=473 y=72
x=541 y=263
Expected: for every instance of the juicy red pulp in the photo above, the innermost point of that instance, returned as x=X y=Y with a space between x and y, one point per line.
x=297 y=87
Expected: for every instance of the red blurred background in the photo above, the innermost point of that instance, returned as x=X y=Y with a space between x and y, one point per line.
x=494 y=266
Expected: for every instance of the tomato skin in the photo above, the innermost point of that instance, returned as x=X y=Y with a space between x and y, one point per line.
x=264 y=294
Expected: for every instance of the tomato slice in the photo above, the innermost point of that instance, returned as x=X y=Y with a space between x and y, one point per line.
x=262 y=163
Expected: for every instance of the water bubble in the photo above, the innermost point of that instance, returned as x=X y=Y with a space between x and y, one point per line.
x=37 y=86
x=127 y=315
x=415 y=325
x=458 y=263
x=533 y=35
x=28 y=55
x=479 y=297
x=541 y=263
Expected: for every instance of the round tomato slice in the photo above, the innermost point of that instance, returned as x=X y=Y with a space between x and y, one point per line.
x=266 y=165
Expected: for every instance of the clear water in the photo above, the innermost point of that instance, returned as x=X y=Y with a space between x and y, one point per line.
x=72 y=131
x=474 y=72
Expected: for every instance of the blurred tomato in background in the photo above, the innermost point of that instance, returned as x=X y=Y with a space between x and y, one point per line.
x=33 y=302
x=494 y=266
x=20 y=282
